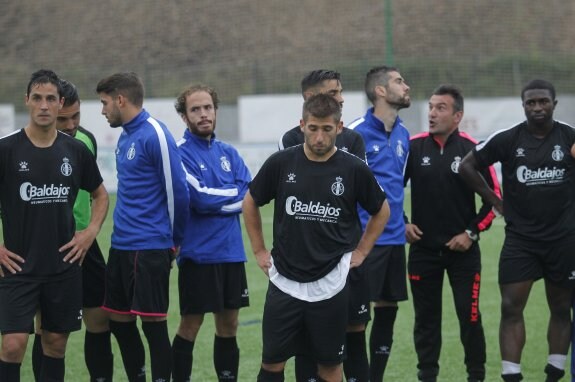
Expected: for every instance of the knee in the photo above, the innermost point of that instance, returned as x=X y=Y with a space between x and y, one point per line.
x=54 y=344
x=13 y=348
x=190 y=326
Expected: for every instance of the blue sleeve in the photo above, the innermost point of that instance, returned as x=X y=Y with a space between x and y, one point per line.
x=222 y=199
x=173 y=173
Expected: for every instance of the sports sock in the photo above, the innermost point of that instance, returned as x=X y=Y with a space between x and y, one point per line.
x=381 y=340
x=356 y=365
x=37 y=354
x=160 y=349
x=270 y=376
x=226 y=358
x=132 y=349
x=98 y=356
x=510 y=368
x=182 y=358
x=53 y=369
x=10 y=371
x=554 y=374
x=557 y=360
x=305 y=368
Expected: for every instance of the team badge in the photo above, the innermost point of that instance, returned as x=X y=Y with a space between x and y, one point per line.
x=426 y=161
x=557 y=154
x=66 y=167
x=455 y=164
x=399 y=149
x=131 y=154
x=226 y=165
x=337 y=188
x=291 y=178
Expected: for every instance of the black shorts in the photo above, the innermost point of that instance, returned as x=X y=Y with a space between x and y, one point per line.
x=358 y=306
x=387 y=273
x=290 y=324
x=138 y=282
x=523 y=260
x=59 y=300
x=93 y=277
x=207 y=288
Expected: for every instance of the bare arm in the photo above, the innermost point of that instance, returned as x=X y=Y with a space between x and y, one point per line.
x=373 y=230
x=253 y=224
x=82 y=240
x=471 y=172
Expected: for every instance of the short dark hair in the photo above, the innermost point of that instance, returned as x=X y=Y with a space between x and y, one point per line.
x=44 y=76
x=321 y=106
x=128 y=84
x=539 y=84
x=69 y=92
x=316 y=77
x=375 y=77
x=454 y=92
x=180 y=103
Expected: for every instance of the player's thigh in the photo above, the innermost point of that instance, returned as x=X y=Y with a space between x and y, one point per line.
x=20 y=299
x=61 y=304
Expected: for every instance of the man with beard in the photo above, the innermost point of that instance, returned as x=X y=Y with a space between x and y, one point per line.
x=41 y=171
x=317 y=239
x=538 y=204
x=149 y=222
x=386 y=146
x=97 y=345
x=212 y=275
x=356 y=364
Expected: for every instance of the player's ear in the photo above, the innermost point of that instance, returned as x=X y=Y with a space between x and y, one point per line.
x=301 y=124
x=339 y=127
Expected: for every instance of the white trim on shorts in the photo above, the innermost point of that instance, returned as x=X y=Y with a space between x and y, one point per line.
x=318 y=290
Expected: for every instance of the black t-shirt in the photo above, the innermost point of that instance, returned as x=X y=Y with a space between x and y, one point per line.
x=315 y=212
x=538 y=180
x=38 y=187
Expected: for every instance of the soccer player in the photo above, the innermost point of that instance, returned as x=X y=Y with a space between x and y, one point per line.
x=149 y=222
x=41 y=171
x=316 y=189
x=328 y=82
x=356 y=364
x=387 y=146
x=212 y=276
x=97 y=346
x=538 y=204
x=444 y=234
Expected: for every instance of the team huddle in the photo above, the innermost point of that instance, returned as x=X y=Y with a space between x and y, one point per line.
x=338 y=259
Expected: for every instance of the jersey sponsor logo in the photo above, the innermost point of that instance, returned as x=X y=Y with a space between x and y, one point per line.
x=66 y=168
x=291 y=178
x=23 y=166
x=44 y=194
x=311 y=210
x=226 y=165
x=557 y=154
x=337 y=188
x=540 y=176
x=426 y=161
x=455 y=164
x=131 y=154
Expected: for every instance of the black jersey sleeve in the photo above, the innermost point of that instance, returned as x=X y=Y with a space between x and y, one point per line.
x=91 y=177
x=496 y=148
x=263 y=187
x=370 y=195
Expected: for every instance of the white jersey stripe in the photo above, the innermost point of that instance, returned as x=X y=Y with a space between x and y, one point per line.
x=166 y=167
